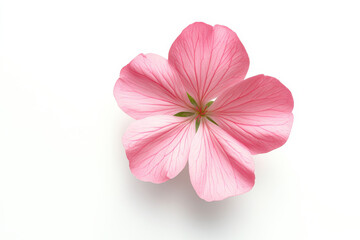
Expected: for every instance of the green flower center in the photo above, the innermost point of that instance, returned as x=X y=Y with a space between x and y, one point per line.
x=197 y=113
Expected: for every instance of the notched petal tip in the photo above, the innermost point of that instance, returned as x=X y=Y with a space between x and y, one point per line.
x=209 y=60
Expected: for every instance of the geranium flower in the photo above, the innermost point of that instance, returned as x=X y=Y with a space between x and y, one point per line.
x=178 y=120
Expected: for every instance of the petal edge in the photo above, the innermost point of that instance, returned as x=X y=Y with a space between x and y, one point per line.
x=158 y=147
x=208 y=59
x=219 y=166
x=257 y=112
x=149 y=86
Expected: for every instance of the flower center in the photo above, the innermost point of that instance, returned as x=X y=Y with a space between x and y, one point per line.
x=199 y=112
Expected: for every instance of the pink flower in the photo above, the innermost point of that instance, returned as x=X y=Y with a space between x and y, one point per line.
x=178 y=121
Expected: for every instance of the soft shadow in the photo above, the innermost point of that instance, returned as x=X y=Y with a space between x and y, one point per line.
x=178 y=195
x=174 y=194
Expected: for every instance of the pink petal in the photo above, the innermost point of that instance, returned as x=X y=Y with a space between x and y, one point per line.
x=208 y=60
x=256 y=112
x=148 y=86
x=219 y=166
x=158 y=147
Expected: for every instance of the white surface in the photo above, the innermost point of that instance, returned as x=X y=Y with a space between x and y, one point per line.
x=63 y=171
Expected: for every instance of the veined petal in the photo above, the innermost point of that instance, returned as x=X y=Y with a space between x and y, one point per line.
x=149 y=86
x=219 y=166
x=209 y=60
x=158 y=147
x=256 y=112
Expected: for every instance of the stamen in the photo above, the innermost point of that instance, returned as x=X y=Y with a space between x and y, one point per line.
x=205 y=107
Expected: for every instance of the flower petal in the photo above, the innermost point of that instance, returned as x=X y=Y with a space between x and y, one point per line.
x=158 y=147
x=256 y=112
x=209 y=60
x=219 y=166
x=149 y=86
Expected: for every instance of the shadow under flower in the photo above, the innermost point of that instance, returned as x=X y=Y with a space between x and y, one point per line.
x=179 y=193
x=175 y=196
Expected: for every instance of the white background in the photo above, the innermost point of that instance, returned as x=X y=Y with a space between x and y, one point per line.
x=63 y=171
